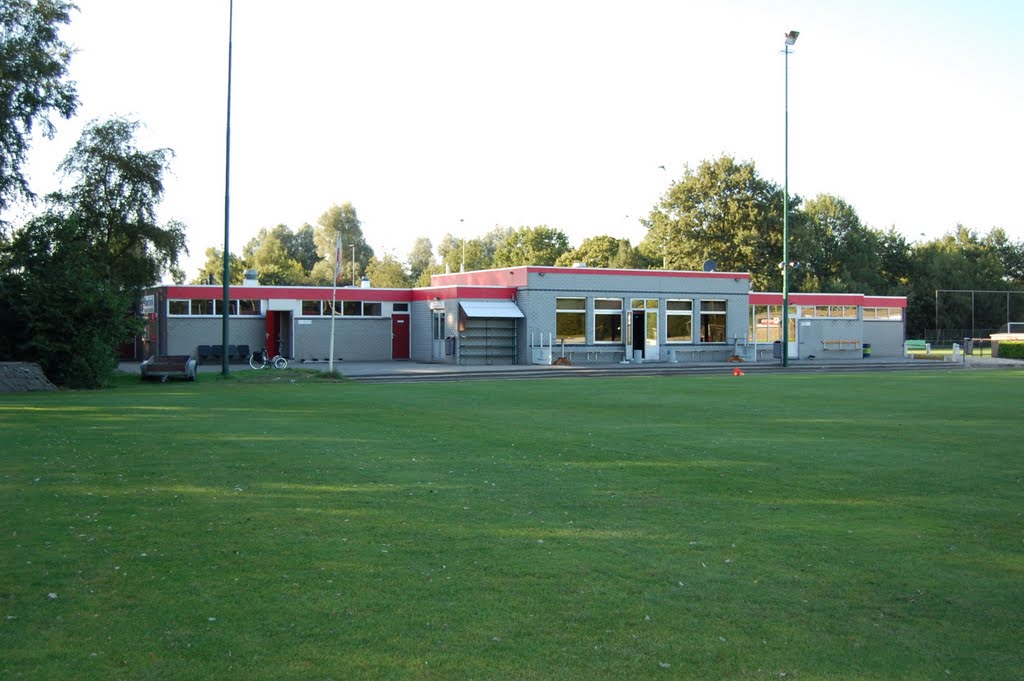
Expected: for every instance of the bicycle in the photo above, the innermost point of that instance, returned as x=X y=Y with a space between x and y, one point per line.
x=260 y=360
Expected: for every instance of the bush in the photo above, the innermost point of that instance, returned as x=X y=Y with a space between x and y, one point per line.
x=1011 y=349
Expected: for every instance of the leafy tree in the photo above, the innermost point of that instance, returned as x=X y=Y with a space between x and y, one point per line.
x=33 y=85
x=302 y=247
x=722 y=211
x=340 y=220
x=957 y=261
x=895 y=263
x=421 y=258
x=212 y=270
x=1011 y=254
x=837 y=253
x=57 y=305
x=603 y=251
x=541 y=245
x=456 y=252
x=386 y=272
x=72 y=276
x=115 y=197
x=270 y=256
x=491 y=241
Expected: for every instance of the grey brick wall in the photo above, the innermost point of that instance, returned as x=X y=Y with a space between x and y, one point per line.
x=538 y=304
x=812 y=332
x=356 y=339
x=886 y=337
x=185 y=334
x=421 y=342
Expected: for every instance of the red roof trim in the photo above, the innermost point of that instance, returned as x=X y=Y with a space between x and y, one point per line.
x=290 y=293
x=474 y=292
x=858 y=299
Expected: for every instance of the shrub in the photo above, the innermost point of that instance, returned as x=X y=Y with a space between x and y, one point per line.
x=1011 y=349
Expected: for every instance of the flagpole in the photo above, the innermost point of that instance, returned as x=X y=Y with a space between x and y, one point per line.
x=334 y=298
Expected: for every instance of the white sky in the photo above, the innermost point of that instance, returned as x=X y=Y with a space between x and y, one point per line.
x=457 y=116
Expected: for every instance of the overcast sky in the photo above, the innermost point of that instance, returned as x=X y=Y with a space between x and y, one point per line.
x=451 y=116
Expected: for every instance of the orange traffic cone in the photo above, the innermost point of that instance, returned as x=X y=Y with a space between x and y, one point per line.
x=737 y=372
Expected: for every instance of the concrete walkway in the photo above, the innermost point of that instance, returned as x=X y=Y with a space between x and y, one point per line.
x=409 y=371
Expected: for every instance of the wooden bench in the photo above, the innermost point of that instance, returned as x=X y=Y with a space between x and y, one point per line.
x=911 y=346
x=841 y=344
x=169 y=366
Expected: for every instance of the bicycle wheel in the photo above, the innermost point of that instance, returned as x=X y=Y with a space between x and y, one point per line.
x=255 y=363
x=280 y=362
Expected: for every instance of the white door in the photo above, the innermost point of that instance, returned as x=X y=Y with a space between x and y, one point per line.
x=793 y=351
x=437 y=324
x=651 y=337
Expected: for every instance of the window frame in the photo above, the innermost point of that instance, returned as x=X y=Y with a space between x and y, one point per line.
x=705 y=318
x=579 y=314
x=604 y=315
x=674 y=315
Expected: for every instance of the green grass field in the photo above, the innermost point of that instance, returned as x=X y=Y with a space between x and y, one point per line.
x=849 y=526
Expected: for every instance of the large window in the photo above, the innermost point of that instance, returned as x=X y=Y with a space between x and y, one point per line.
x=766 y=324
x=712 y=321
x=209 y=307
x=886 y=314
x=607 y=320
x=834 y=311
x=679 y=320
x=201 y=307
x=571 y=320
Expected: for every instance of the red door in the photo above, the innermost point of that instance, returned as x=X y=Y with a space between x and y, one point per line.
x=399 y=336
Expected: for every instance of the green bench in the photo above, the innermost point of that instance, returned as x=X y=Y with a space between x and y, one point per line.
x=912 y=346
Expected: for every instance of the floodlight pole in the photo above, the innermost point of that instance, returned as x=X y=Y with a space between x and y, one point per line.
x=226 y=308
x=790 y=40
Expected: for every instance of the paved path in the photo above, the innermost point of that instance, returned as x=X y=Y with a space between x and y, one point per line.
x=381 y=372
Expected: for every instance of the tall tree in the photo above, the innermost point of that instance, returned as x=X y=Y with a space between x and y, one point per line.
x=212 y=269
x=603 y=251
x=71 y=277
x=386 y=272
x=340 y=221
x=541 y=245
x=421 y=258
x=895 y=263
x=458 y=254
x=837 y=253
x=958 y=261
x=1010 y=253
x=114 y=197
x=722 y=211
x=33 y=84
x=57 y=307
x=301 y=247
x=269 y=254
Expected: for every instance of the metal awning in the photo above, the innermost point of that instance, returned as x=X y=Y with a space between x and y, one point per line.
x=501 y=309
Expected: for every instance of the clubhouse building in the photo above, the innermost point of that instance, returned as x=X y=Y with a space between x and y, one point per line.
x=525 y=315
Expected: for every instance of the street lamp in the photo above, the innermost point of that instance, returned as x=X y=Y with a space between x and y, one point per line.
x=790 y=41
x=225 y=309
